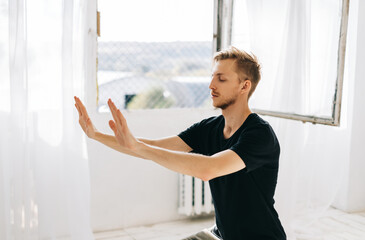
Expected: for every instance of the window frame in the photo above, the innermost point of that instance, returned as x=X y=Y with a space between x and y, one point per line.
x=223 y=16
x=98 y=31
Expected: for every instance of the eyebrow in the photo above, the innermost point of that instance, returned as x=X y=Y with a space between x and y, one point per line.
x=218 y=74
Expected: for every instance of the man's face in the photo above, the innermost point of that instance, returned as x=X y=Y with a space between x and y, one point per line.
x=225 y=85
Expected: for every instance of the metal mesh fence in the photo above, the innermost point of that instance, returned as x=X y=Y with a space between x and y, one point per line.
x=148 y=75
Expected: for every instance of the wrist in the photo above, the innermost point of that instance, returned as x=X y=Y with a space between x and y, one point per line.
x=138 y=146
x=97 y=136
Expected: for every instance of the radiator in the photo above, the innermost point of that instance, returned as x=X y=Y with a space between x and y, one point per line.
x=194 y=197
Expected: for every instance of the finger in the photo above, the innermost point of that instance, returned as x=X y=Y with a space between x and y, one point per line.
x=112 y=126
x=122 y=120
x=77 y=106
x=111 y=107
x=121 y=123
x=118 y=113
x=88 y=122
x=77 y=103
x=81 y=107
x=114 y=111
x=78 y=110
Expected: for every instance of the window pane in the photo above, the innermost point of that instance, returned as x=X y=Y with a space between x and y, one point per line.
x=297 y=44
x=155 y=54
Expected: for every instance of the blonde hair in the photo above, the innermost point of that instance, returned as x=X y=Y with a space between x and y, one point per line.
x=247 y=65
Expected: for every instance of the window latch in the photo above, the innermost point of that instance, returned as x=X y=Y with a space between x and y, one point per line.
x=98 y=23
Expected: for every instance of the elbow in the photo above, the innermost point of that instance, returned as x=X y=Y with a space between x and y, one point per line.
x=207 y=170
x=206 y=175
x=204 y=178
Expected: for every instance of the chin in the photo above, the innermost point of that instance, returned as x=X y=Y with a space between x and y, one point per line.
x=215 y=105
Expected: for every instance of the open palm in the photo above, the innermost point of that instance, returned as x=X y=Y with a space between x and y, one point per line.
x=84 y=119
x=120 y=128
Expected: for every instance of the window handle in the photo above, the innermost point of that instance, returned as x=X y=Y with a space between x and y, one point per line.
x=98 y=23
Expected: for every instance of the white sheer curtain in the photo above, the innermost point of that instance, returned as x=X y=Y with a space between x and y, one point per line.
x=44 y=176
x=297 y=42
x=297 y=46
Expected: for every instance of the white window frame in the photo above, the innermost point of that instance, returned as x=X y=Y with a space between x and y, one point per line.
x=223 y=12
x=94 y=93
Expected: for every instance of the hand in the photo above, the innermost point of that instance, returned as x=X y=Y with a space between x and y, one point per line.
x=84 y=119
x=120 y=128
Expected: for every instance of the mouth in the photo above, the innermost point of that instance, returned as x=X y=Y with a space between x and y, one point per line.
x=214 y=95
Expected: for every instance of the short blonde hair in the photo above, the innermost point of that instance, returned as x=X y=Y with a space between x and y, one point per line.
x=247 y=65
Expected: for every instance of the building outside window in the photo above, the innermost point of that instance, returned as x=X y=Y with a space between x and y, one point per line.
x=155 y=54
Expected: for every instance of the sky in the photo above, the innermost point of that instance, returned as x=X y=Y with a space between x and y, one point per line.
x=157 y=20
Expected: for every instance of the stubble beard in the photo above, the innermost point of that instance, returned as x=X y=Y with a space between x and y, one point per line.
x=227 y=103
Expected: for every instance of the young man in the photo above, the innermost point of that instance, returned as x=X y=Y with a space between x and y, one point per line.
x=237 y=152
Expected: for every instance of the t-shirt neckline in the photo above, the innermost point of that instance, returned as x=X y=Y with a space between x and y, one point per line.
x=251 y=115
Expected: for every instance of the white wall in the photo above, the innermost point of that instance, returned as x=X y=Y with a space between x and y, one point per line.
x=127 y=192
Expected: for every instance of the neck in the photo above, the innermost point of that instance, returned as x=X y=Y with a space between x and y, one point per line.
x=234 y=116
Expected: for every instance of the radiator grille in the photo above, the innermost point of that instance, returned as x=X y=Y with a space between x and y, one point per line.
x=195 y=197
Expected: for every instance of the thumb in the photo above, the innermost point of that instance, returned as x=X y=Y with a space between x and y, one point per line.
x=88 y=122
x=112 y=126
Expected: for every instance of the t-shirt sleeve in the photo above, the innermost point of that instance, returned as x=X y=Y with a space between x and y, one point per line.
x=257 y=146
x=191 y=136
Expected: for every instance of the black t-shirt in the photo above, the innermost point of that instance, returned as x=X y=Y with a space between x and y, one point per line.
x=243 y=200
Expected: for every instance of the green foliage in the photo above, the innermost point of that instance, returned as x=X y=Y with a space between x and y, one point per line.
x=150 y=99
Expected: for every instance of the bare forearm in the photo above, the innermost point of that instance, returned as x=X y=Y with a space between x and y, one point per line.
x=182 y=162
x=174 y=143
x=110 y=141
x=197 y=165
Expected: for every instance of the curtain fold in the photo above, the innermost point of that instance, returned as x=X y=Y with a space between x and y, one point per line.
x=44 y=174
x=296 y=42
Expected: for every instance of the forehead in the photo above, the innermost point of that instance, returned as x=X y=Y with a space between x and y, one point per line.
x=225 y=66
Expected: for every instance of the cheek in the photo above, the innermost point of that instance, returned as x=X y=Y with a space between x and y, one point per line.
x=234 y=88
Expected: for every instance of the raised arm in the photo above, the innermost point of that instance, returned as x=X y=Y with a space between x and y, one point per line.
x=90 y=130
x=172 y=143
x=197 y=165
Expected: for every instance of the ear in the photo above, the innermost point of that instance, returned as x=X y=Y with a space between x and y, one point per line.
x=245 y=86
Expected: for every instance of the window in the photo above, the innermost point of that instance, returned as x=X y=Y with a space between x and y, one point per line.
x=155 y=53
x=301 y=46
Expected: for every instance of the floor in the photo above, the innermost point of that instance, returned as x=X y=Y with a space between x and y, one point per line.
x=174 y=230
x=335 y=225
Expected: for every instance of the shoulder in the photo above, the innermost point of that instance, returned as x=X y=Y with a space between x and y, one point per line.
x=255 y=122
x=211 y=121
x=196 y=134
x=203 y=126
x=255 y=119
x=260 y=130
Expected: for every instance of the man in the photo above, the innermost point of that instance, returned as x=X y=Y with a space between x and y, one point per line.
x=237 y=152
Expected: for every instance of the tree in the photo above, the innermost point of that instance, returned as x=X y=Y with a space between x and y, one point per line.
x=153 y=98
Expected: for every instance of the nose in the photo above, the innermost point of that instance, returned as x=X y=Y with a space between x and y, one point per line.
x=211 y=85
